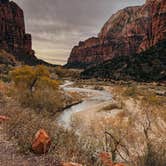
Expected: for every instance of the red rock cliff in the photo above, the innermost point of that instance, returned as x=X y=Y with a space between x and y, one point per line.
x=12 y=29
x=131 y=30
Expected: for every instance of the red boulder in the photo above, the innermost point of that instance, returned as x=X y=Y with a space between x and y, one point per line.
x=41 y=143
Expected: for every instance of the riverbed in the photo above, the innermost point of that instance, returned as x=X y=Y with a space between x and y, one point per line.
x=88 y=110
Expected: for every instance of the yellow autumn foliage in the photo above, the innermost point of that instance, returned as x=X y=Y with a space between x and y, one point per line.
x=36 y=89
x=31 y=77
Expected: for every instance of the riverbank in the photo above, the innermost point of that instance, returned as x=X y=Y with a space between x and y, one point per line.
x=106 y=114
x=19 y=130
x=132 y=111
x=111 y=101
x=92 y=101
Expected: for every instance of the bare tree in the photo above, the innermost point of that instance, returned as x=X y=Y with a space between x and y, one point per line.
x=116 y=146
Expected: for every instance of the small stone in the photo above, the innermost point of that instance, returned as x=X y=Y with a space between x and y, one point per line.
x=3 y=118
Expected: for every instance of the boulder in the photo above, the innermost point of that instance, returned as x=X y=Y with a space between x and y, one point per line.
x=41 y=142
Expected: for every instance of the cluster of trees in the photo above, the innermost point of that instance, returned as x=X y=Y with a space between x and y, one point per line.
x=147 y=66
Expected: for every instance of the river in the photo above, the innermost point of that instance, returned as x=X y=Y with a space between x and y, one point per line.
x=93 y=100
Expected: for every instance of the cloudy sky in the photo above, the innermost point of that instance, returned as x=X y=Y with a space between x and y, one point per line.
x=57 y=25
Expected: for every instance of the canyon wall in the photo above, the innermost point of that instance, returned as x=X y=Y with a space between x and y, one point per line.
x=129 y=31
x=13 y=37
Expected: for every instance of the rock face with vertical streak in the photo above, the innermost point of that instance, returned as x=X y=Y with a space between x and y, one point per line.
x=13 y=37
x=12 y=28
x=129 y=31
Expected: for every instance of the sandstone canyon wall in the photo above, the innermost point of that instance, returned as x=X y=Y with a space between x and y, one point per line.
x=131 y=30
x=13 y=37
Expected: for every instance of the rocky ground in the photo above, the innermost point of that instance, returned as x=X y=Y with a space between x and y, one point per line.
x=9 y=155
x=10 y=151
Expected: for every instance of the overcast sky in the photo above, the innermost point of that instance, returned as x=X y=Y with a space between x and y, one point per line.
x=57 y=25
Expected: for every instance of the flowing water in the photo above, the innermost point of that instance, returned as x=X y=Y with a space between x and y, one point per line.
x=94 y=99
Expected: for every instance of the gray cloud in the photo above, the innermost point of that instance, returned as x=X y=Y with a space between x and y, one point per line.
x=57 y=25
